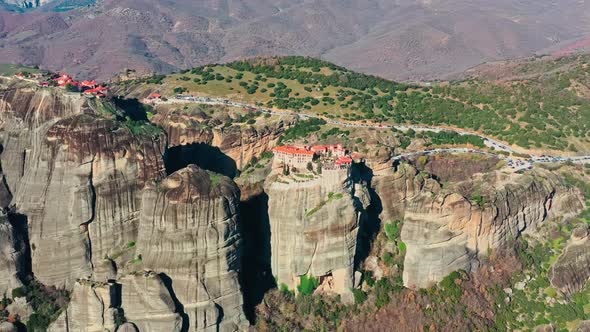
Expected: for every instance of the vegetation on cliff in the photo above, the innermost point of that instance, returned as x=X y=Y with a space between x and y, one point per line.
x=542 y=110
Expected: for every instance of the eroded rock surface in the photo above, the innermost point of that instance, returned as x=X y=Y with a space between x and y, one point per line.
x=189 y=231
x=90 y=309
x=147 y=303
x=314 y=227
x=571 y=271
x=446 y=231
x=239 y=142
x=78 y=178
x=12 y=256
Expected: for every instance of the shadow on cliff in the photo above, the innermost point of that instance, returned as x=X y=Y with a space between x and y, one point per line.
x=370 y=226
x=132 y=108
x=178 y=306
x=19 y=223
x=255 y=275
x=203 y=155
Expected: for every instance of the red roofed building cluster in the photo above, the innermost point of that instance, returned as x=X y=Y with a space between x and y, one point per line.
x=343 y=161
x=335 y=150
x=293 y=156
x=88 y=87
x=332 y=156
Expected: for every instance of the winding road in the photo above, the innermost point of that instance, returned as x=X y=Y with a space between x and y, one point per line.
x=515 y=164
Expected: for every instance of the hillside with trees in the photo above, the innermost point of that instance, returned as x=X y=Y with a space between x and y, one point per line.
x=547 y=109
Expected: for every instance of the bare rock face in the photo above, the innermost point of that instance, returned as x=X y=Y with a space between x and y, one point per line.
x=571 y=271
x=445 y=231
x=142 y=298
x=81 y=192
x=25 y=116
x=127 y=327
x=7 y=327
x=314 y=228
x=5 y=194
x=147 y=303
x=12 y=256
x=584 y=326
x=240 y=143
x=77 y=177
x=89 y=309
x=189 y=232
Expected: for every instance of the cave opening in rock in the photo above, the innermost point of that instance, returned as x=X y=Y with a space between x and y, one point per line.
x=256 y=276
x=203 y=155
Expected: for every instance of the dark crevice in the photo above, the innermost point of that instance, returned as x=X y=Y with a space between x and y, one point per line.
x=92 y=212
x=255 y=274
x=19 y=223
x=371 y=224
x=203 y=155
x=24 y=156
x=220 y=315
x=178 y=306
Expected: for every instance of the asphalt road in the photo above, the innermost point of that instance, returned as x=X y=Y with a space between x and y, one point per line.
x=513 y=163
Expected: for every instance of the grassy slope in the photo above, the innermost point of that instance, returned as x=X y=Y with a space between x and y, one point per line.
x=549 y=109
x=11 y=69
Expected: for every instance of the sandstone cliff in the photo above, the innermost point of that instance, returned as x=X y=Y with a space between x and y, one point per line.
x=446 y=231
x=189 y=231
x=142 y=298
x=147 y=303
x=90 y=190
x=314 y=228
x=12 y=256
x=180 y=271
x=80 y=191
x=239 y=142
x=571 y=271
x=91 y=308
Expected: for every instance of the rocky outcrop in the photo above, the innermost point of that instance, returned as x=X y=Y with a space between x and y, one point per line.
x=239 y=142
x=25 y=116
x=5 y=194
x=189 y=232
x=141 y=298
x=12 y=256
x=81 y=192
x=79 y=179
x=571 y=271
x=445 y=231
x=147 y=304
x=314 y=228
x=91 y=308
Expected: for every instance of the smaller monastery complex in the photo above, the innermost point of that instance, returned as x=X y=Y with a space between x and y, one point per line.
x=328 y=156
x=65 y=81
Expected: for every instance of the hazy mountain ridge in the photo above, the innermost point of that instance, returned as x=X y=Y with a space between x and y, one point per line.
x=401 y=39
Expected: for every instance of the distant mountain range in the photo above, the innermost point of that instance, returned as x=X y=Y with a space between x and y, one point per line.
x=403 y=39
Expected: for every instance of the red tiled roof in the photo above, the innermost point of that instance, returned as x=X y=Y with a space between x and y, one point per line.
x=98 y=89
x=343 y=160
x=155 y=95
x=293 y=150
x=89 y=83
x=327 y=147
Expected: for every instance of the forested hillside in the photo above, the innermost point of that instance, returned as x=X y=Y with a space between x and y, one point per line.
x=549 y=109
